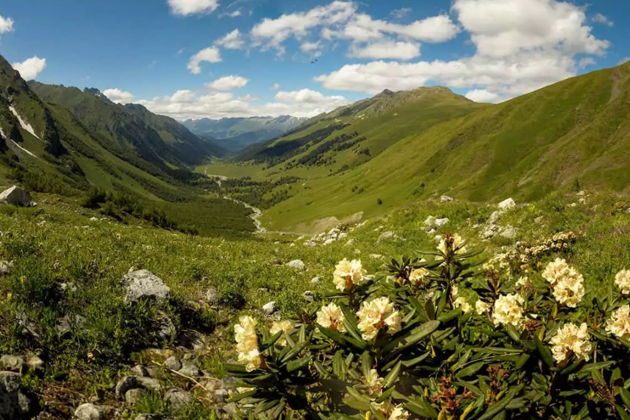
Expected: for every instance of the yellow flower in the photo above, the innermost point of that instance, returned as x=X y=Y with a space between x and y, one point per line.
x=482 y=307
x=284 y=326
x=508 y=309
x=331 y=316
x=453 y=242
x=374 y=382
x=571 y=340
x=390 y=411
x=622 y=280
x=619 y=323
x=347 y=274
x=419 y=276
x=462 y=304
x=569 y=289
x=377 y=314
x=247 y=343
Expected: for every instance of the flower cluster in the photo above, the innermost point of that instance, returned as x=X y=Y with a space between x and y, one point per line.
x=567 y=283
x=247 y=343
x=508 y=309
x=390 y=411
x=347 y=274
x=376 y=315
x=374 y=382
x=619 y=323
x=459 y=302
x=571 y=340
x=452 y=242
x=419 y=277
x=330 y=316
x=622 y=280
x=284 y=326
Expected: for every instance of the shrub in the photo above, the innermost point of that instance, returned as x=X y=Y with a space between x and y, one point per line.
x=442 y=337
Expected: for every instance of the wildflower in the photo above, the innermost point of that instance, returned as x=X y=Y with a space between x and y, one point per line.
x=462 y=304
x=555 y=270
x=522 y=281
x=374 y=382
x=622 y=280
x=390 y=411
x=377 y=314
x=508 y=309
x=571 y=340
x=331 y=316
x=453 y=242
x=284 y=326
x=247 y=343
x=419 y=276
x=569 y=289
x=482 y=307
x=347 y=274
x=619 y=323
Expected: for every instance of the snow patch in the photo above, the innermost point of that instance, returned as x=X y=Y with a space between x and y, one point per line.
x=25 y=125
x=2 y=135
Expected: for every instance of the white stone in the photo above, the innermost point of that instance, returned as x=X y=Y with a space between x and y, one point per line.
x=507 y=204
x=269 y=307
x=297 y=264
x=143 y=283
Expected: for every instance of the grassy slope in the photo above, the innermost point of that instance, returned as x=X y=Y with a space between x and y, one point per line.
x=567 y=135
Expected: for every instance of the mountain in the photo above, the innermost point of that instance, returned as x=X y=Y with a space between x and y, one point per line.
x=235 y=134
x=571 y=135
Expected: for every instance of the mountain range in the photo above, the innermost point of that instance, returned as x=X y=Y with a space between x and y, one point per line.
x=235 y=134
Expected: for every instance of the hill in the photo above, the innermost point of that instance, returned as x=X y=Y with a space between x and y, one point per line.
x=567 y=135
x=235 y=134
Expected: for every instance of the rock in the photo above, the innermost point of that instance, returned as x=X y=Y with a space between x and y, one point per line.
x=329 y=241
x=134 y=395
x=93 y=219
x=494 y=217
x=16 y=196
x=9 y=382
x=297 y=264
x=220 y=395
x=139 y=370
x=211 y=297
x=173 y=363
x=167 y=330
x=125 y=384
x=146 y=417
x=446 y=199
x=24 y=403
x=189 y=369
x=143 y=283
x=35 y=363
x=507 y=204
x=310 y=243
x=177 y=397
x=387 y=235
x=89 y=411
x=508 y=232
x=308 y=296
x=149 y=384
x=316 y=279
x=441 y=222
x=6 y=267
x=12 y=363
x=270 y=307
x=153 y=371
x=490 y=231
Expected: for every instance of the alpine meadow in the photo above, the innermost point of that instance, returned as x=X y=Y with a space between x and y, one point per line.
x=325 y=209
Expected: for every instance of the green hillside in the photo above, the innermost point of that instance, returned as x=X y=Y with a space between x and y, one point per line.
x=567 y=135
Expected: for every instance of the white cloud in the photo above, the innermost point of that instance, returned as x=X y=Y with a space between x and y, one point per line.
x=209 y=55
x=275 y=86
x=232 y=40
x=521 y=45
x=400 y=13
x=482 y=95
x=6 y=25
x=386 y=49
x=308 y=96
x=118 y=96
x=599 y=18
x=310 y=46
x=30 y=68
x=184 y=96
x=432 y=29
x=228 y=83
x=190 y=7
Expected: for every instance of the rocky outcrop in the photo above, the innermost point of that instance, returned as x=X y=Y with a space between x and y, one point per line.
x=16 y=196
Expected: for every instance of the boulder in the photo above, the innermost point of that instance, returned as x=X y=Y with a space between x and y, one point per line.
x=173 y=363
x=494 y=217
x=149 y=384
x=297 y=264
x=16 y=196
x=125 y=384
x=507 y=204
x=189 y=369
x=143 y=283
x=89 y=411
x=134 y=395
x=177 y=397
x=166 y=329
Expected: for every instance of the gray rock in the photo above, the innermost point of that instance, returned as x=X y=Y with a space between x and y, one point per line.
x=446 y=199
x=490 y=231
x=125 y=384
x=6 y=267
x=150 y=384
x=173 y=363
x=139 y=370
x=9 y=382
x=297 y=264
x=177 y=397
x=167 y=330
x=24 y=403
x=220 y=395
x=211 y=297
x=269 y=307
x=16 y=196
x=13 y=363
x=507 y=204
x=494 y=217
x=35 y=363
x=508 y=232
x=89 y=411
x=387 y=236
x=143 y=283
x=189 y=369
x=308 y=296
x=153 y=371
x=134 y=395
x=316 y=279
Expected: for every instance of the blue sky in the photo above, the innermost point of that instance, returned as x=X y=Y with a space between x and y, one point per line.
x=304 y=57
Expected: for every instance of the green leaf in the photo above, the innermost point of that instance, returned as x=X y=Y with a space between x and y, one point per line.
x=545 y=353
x=242 y=396
x=422 y=408
x=392 y=376
x=450 y=315
x=625 y=396
x=298 y=364
x=470 y=370
x=366 y=363
x=412 y=362
x=413 y=337
x=497 y=408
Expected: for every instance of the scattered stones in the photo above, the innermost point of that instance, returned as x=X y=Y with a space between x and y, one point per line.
x=490 y=231
x=12 y=363
x=150 y=384
x=89 y=411
x=16 y=196
x=494 y=217
x=189 y=369
x=445 y=199
x=309 y=296
x=270 y=307
x=507 y=204
x=139 y=370
x=166 y=330
x=124 y=385
x=508 y=232
x=432 y=223
x=297 y=264
x=6 y=267
x=173 y=363
x=134 y=395
x=143 y=283
x=177 y=397
x=387 y=236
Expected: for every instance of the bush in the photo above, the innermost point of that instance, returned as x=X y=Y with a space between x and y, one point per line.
x=444 y=337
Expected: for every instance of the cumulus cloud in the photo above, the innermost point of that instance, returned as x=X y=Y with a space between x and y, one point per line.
x=521 y=45
x=482 y=95
x=119 y=96
x=232 y=40
x=191 y=7
x=6 y=25
x=228 y=83
x=386 y=49
x=601 y=19
x=209 y=55
x=188 y=104
x=400 y=13
x=30 y=68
